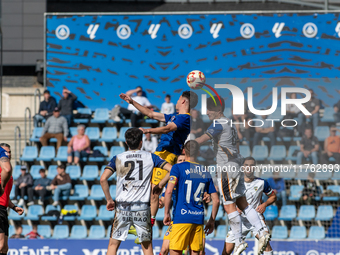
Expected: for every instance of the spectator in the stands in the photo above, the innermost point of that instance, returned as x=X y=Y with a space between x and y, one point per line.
x=18 y=233
x=22 y=186
x=61 y=184
x=45 y=109
x=313 y=106
x=34 y=233
x=78 y=147
x=310 y=191
x=266 y=130
x=168 y=107
x=331 y=147
x=150 y=143
x=197 y=124
x=336 y=114
x=279 y=187
x=66 y=105
x=55 y=127
x=131 y=112
x=39 y=188
x=292 y=111
x=309 y=147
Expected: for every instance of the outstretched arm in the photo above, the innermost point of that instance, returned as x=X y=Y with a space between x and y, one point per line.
x=160 y=130
x=144 y=110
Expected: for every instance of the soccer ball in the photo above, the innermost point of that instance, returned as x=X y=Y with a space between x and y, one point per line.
x=196 y=79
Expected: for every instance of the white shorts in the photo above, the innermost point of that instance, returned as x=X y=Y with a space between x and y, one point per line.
x=246 y=228
x=141 y=220
x=231 y=183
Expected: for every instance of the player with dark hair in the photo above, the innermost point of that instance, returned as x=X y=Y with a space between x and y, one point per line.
x=230 y=180
x=4 y=203
x=191 y=181
x=174 y=134
x=255 y=187
x=134 y=170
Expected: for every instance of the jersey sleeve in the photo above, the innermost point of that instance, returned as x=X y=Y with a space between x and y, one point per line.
x=210 y=187
x=167 y=117
x=267 y=189
x=182 y=121
x=157 y=161
x=214 y=130
x=3 y=153
x=174 y=174
x=112 y=164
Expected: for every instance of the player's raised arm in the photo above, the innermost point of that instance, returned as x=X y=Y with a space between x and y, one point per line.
x=144 y=110
x=109 y=170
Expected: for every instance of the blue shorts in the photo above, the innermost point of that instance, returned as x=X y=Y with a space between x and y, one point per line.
x=77 y=154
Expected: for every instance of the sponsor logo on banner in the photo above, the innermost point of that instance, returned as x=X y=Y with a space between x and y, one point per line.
x=185 y=31
x=92 y=30
x=215 y=29
x=247 y=30
x=310 y=30
x=46 y=250
x=62 y=32
x=153 y=29
x=123 y=32
x=277 y=29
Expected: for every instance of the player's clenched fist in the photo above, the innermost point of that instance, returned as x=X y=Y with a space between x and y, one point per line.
x=110 y=206
x=167 y=220
x=19 y=210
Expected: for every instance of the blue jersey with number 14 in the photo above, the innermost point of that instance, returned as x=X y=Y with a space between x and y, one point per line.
x=191 y=182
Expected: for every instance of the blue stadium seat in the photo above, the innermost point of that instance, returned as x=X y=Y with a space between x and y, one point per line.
x=52 y=172
x=102 y=171
x=51 y=208
x=316 y=232
x=306 y=213
x=69 y=208
x=113 y=191
x=291 y=150
x=26 y=229
x=218 y=216
x=96 y=232
x=324 y=213
x=302 y=174
x=37 y=132
x=266 y=174
x=115 y=150
x=35 y=171
x=279 y=232
x=96 y=193
x=93 y=133
x=88 y=213
x=328 y=115
x=80 y=193
x=60 y=232
x=108 y=232
x=16 y=172
x=221 y=232
x=285 y=138
x=78 y=232
x=298 y=232
x=61 y=154
x=289 y=175
x=83 y=111
x=47 y=153
x=155 y=232
x=287 y=212
x=109 y=134
x=104 y=214
x=245 y=151
x=122 y=131
x=74 y=172
x=29 y=154
x=334 y=188
x=90 y=173
x=160 y=214
x=324 y=175
x=33 y=212
x=336 y=175
x=101 y=115
x=99 y=159
x=11 y=230
x=321 y=132
x=260 y=152
x=15 y=216
x=295 y=192
x=44 y=230
x=12 y=195
x=271 y=212
x=276 y=114
x=277 y=153
x=73 y=131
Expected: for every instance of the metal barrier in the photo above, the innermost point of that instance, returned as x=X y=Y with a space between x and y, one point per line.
x=35 y=101
x=29 y=124
x=17 y=128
